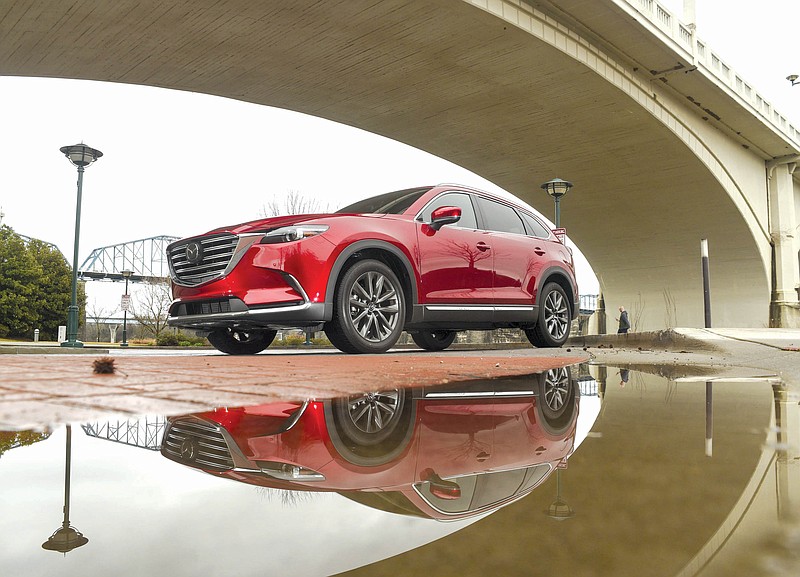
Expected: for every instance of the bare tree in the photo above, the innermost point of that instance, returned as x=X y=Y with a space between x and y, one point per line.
x=149 y=306
x=293 y=202
x=97 y=314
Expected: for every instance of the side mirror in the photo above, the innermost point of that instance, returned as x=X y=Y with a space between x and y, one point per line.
x=446 y=490
x=445 y=215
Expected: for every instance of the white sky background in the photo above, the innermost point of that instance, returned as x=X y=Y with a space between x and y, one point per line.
x=181 y=163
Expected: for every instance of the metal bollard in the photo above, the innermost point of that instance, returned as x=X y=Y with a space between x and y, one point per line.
x=706 y=282
x=36 y=335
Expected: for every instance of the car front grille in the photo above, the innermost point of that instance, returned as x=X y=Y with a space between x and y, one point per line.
x=197 y=444
x=195 y=261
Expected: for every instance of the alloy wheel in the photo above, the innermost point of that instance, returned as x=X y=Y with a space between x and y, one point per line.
x=373 y=305
x=556 y=315
x=373 y=412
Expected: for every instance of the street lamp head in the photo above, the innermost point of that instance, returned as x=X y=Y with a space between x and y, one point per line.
x=80 y=155
x=556 y=187
x=127 y=273
x=793 y=79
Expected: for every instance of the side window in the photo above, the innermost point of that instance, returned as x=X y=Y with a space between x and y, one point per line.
x=500 y=217
x=535 y=228
x=458 y=199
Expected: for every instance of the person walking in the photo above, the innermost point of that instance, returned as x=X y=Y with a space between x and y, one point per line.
x=624 y=323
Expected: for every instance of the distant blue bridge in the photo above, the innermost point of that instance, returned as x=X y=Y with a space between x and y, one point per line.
x=146 y=258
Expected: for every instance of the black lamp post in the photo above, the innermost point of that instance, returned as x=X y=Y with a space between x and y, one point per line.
x=81 y=156
x=557 y=188
x=126 y=275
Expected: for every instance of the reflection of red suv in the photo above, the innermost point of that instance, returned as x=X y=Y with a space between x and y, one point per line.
x=430 y=260
x=443 y=453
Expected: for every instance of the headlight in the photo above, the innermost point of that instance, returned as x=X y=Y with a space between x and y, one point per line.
x=292 y=233
x=289 y=472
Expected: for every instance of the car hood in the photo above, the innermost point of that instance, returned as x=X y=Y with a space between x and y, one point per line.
x=273 y=222
x=270 y=223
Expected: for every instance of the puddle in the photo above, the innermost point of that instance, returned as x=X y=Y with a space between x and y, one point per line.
x=590 y=471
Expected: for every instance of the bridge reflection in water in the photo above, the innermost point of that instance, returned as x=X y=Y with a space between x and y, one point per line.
x=594 y=471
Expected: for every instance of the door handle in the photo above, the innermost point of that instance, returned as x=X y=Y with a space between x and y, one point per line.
x=483 y=246
x=539 y=251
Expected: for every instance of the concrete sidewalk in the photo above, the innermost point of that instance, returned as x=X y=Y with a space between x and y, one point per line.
x=38 y=390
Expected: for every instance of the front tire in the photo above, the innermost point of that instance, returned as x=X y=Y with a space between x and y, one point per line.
x=552 y=327
x=241 y=342
x=373 y=428
x=433 y=340
x=369 y=309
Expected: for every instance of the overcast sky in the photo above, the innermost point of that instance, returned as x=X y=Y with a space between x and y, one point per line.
x=179 y=164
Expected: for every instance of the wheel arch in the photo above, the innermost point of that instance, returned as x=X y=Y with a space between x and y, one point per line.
x=557 y=275
x=382 y=251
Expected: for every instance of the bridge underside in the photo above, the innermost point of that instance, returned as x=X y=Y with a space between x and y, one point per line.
x=460 y=83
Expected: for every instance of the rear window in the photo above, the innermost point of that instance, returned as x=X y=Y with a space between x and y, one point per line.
x=500 y=217
x=396 y=202
x=534 y=227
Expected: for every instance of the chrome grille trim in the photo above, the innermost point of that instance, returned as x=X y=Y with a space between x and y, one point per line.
x=221 y=253
x=209 y=449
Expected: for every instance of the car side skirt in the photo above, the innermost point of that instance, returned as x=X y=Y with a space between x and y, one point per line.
x=479 y=316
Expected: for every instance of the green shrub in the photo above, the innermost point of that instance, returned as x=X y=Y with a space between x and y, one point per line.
x=298 y=340
x=167 y=340
x=180 y=339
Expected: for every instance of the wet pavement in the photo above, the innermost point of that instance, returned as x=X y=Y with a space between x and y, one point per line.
x=676 y=454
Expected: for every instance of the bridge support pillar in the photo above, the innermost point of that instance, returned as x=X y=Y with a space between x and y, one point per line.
x=784 y=306
x=597 y=322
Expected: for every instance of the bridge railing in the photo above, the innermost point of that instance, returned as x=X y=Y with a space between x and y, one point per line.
x=701 y=54
x=588 y=304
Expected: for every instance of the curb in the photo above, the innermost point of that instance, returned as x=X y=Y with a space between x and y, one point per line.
x=45 y=350
x=669 y=340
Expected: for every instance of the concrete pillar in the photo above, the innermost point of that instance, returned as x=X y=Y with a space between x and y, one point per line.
x=787 y=468
x=785 y=310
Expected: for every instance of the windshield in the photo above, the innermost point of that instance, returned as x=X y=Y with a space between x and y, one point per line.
x=395 y=202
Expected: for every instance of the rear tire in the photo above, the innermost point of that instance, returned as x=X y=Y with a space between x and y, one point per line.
x=552 y=327
x=241 y=342
x=557 y=399
x=433 y=340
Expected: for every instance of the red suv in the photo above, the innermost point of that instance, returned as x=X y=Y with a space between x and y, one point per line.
x=431 y=261
x=444 y=453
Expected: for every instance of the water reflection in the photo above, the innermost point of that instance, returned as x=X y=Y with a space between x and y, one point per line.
x=444 y=453
x=330 y=486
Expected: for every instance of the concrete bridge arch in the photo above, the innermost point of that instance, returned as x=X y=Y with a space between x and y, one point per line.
x=516 y=94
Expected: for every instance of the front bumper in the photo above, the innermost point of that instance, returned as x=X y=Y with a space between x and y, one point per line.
x=234 y=313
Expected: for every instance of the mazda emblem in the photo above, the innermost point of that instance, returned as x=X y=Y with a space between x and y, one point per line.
x=188 y=449
x=194 y=252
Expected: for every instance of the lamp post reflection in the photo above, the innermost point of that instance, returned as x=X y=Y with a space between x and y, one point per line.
x=559 y=509
x=66 y=538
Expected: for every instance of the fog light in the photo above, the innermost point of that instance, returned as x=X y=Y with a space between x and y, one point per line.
x=289 y=471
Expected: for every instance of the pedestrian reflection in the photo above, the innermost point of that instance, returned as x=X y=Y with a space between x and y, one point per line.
x=440 y=453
